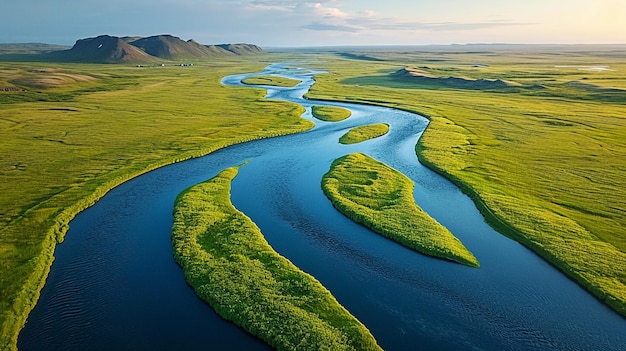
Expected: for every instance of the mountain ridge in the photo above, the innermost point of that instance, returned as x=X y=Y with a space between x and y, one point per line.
x=112 y=49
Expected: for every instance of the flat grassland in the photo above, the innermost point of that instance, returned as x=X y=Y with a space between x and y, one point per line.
x=69 y=133
x=271 y=80
x=330 y=113
x=381 y=198
x=543 y=155
x=363 y=133
x=231 y=266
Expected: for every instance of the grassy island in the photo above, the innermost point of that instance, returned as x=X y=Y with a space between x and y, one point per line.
x=363 y=133
x=271 y=80
x=330 y=113
x=543 y=160
x=231 y=266
x=381 y=198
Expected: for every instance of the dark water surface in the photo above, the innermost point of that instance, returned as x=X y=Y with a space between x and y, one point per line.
x=114 y=284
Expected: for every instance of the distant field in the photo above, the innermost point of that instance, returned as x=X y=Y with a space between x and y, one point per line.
x=543 y=156
x=71 y=132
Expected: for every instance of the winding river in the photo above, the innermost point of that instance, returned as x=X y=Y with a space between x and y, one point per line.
x=114 y=284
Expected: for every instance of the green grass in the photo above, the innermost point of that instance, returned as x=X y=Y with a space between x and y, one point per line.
x=65 y=145
x=330 y=113
x=231 y=266
x=363 y=133
x=545 y=167
x=271 y=80
x=381 y=198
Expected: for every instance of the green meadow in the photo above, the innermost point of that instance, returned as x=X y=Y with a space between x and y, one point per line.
x=231 y=266
x=363 y=133
x=381 y=198
x=536 y=136
x=71 y=132
x=330 y=113
x=271 y=80
x=542 y=157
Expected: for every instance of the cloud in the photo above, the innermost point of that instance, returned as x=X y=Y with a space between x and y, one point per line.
x=330 y=27
x=329 y=16
x=400 y=25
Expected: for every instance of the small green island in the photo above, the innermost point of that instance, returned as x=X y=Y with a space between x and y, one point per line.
x=363 y=133
x=330 y=113
x=276 y=81
x=381 y=198
x=231 y=266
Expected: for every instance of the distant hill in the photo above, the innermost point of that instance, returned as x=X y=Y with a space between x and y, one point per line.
x=415 y=75
x=110 y=49
x=104 y=49
x=171 y=48
x=242 y=49
x=29 y=48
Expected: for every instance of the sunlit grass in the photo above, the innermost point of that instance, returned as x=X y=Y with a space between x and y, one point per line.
x=545 y=166
x=381 y=198
x=271 y=80
x=330 y=113
x=363 y=133
x=63 y=147
x=231 y=266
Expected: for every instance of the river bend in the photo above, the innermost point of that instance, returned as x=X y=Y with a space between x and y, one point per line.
x=114 y=283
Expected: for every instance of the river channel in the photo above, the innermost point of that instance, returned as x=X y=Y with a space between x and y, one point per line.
x=115 y=286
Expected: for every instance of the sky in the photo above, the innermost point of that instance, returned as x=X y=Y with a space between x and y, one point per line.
x=297 y=23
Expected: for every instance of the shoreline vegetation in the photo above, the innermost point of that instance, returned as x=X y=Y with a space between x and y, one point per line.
x=96 y=136
x=543 y=165
x=330 y=113
x=362 y=133
x=275 y=81
x=381 y=198
x=230 y=265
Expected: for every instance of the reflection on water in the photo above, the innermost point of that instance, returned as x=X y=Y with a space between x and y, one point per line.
x=114 y=284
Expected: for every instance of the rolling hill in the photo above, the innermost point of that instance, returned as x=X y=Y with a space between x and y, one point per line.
x=104 y=49
x=110 y=49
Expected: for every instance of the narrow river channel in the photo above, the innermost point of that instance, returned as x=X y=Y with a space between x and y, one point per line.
x=114 y=284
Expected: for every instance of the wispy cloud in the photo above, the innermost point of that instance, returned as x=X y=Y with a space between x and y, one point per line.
x=330 y=27
x=331 y=18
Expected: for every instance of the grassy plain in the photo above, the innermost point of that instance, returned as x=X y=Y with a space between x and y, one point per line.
x=363 y=133
x=545 y=163
x=271 y=80
x=69 y=133
x=231 y=266
x=330 y=113
x=381 y=198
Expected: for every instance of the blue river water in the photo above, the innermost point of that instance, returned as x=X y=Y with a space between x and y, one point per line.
x=114 y=284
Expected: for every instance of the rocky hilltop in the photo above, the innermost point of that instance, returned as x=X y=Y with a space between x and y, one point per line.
x=110 y=49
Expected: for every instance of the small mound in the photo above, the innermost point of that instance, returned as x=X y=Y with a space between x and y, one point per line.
x=51 y=78
x=593 y=88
